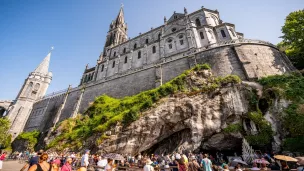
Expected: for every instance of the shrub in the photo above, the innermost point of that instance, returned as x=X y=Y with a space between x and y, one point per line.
x=31 y=137
x=232 y=128
x=265 y=134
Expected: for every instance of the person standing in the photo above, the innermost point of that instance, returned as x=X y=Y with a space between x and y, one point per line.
x=109 y=166
x=85 y=159
x=67 y=166
x=193 y=165
x=2 y=158
x=148 y=166
x=206 y=163
x=34 y=160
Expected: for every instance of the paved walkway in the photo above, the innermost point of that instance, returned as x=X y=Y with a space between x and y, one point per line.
x=12 y=166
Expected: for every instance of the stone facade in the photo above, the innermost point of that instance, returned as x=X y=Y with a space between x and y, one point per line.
x=130 y=66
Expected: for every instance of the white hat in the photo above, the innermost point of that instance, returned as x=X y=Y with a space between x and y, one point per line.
x=178 y=156
x=167 y=166
x=149 y=161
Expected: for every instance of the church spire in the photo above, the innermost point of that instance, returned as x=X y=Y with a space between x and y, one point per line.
x=120 y=19
x=43 y=67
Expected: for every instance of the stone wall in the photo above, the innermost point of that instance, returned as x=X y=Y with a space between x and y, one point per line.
x=247 y=60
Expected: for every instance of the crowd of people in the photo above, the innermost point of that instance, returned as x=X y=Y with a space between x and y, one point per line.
x=42 y=161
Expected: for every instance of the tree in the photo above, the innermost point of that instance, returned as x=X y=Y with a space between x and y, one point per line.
x=4 y=135
x=293 y=38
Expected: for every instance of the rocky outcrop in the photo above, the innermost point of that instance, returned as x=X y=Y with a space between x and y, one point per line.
x=184 y=122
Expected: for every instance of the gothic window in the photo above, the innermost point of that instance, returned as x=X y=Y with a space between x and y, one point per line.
x=135 y=46
x=86 y=78
x=37 y=86
x=114 y=54
x=173 y=29
x=175 y=17
x=181 y=42
x=153 y=49
x=232 y=32
x=198 y=22
x=124 y=50
x=113 y=65
x=181 y=39
x=139 y=54
x=223 y=33
x=102 y=67
x=170 y=43
x=202 y=35
x=126 y=59
x=147 y=41
x=29 y=88
x=159 y=35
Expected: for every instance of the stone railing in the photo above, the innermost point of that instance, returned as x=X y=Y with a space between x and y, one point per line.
x=237 y=41
x=57 y=93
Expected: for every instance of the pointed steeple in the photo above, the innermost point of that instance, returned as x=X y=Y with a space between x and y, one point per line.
x=120 y=19
x=43 y=67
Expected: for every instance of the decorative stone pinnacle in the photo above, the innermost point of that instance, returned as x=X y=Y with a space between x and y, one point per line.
x=185 y=11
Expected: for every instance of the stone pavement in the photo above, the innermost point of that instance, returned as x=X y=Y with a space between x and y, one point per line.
x=12 y=165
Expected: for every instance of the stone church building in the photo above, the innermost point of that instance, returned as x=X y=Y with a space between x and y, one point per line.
x=128 y=66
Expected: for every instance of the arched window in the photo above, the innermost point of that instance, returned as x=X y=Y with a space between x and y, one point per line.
x=147 y=41
x=198 y=22
x=102 y=67
x=113 y=65
x=37 y=86
x=139 y=54
x=135 y=46
x=153 y=49
x=124 y=50
x=223 y=33
x=86 y=78
x=159 y=36
x=92 y=75
x=170 y=43
x=181 y=39
x=29 y=89
x=202 y=35
x=232 y=32
x=126 y=59
x=114 y=54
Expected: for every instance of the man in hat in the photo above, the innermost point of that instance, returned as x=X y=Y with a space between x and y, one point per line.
x=148 y=166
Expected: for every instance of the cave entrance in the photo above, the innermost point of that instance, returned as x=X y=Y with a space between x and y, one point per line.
x=171 y=143
x=263 y=105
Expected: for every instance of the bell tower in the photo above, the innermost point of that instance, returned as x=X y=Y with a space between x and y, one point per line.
x=34 y=87
x=117 y=33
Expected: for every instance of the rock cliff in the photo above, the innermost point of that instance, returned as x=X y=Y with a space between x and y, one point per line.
x=195 y=111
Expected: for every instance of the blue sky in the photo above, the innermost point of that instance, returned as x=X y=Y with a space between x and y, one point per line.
x=77 y=29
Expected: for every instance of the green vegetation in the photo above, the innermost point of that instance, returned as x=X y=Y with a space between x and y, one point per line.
x=293 y=38
x=106 y=111
x=265 y=132
x=4 y=135
x=31 y=137
x=291 y=87
x=232 y=128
